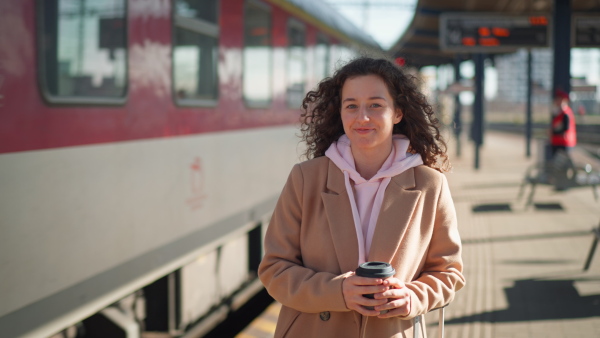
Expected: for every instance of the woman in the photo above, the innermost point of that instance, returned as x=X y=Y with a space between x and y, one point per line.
x=372 y=190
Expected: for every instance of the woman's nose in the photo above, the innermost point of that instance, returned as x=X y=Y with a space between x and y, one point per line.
x=363 y=113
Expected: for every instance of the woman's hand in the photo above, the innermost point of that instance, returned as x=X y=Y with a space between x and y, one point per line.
x=397 y=299
x=353 y=289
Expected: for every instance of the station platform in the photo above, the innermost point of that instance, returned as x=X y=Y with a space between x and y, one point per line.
x=523 y=263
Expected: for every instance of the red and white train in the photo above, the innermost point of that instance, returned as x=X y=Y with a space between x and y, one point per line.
x=143 y=144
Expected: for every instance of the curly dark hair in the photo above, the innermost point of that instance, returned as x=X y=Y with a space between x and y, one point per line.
x=321 y=122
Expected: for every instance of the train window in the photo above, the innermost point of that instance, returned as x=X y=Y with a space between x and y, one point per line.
x=258 y=73
x=198 y=9
x=321 y=58
x=340 y=55
x=83 y=51
x=346 y=54
x=296 y=74
x=195 y=52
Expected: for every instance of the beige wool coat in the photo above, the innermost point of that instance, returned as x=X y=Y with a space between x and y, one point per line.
x=311 y=245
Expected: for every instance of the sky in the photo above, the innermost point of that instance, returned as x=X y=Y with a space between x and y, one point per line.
x=384 y=20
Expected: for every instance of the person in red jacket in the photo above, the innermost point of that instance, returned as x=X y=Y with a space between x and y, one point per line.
x=563 y=135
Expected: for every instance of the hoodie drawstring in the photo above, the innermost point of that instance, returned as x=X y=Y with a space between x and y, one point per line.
x=356 y=217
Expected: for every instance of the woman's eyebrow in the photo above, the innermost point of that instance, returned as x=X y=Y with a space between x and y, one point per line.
x=370 y=98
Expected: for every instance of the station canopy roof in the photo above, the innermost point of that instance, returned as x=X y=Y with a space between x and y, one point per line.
x=420 y=46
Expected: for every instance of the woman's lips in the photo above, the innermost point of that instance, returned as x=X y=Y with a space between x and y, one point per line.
x=363 y=130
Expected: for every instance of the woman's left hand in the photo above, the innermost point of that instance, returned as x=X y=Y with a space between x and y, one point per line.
x=398 y=299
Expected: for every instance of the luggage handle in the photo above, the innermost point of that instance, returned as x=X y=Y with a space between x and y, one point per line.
x=418 y=324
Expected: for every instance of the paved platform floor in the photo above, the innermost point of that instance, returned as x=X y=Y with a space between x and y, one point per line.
x=523 y=264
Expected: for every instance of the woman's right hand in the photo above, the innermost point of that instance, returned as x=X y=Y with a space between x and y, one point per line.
x=353 y=289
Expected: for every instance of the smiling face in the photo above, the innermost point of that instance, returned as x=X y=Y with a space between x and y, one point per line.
x=368 y=115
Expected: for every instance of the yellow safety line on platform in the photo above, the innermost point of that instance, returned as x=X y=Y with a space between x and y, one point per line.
x=263 y=326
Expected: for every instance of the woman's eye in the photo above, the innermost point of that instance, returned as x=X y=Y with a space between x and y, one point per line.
x=375 y=105
x=351 y=106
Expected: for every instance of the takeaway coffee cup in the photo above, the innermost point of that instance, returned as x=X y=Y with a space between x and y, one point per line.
x=375 y=270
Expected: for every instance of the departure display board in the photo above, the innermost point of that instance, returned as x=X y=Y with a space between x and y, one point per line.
x=481 y=32
x=586 y=31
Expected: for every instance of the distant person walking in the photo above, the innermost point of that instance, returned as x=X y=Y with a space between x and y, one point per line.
x=563 y=136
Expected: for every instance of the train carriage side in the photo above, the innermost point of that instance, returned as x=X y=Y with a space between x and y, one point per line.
x=143 y=144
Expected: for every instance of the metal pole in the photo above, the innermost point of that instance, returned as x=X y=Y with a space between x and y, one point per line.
x=365 y=23
x=457 y=107
x=529 y=93
x=81 y=37
x=478 y=120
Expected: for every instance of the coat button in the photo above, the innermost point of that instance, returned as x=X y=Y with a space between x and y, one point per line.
x=325 y=315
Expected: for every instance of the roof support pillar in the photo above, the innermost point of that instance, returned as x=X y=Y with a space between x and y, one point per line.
x=562 y=45
x=478 y=107
x=457 y=120
x=528 y=119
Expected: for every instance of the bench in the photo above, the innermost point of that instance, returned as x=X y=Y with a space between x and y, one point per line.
x=561 y=173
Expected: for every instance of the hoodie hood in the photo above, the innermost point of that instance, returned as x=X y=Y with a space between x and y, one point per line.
x=340 y=153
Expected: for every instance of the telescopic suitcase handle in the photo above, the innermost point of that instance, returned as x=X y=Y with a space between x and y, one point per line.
x=418 y=324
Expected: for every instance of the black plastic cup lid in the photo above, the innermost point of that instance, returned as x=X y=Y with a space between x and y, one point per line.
x=375 y=270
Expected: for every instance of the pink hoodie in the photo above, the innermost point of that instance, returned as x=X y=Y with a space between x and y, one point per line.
x=369 y=194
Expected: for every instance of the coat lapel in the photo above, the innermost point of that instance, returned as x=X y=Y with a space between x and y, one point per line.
x=339 y=216
x=398 y=206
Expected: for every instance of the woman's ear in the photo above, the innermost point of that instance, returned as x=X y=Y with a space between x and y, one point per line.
x=398 y=116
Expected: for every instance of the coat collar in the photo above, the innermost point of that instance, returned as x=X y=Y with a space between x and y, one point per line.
x=398 y=204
